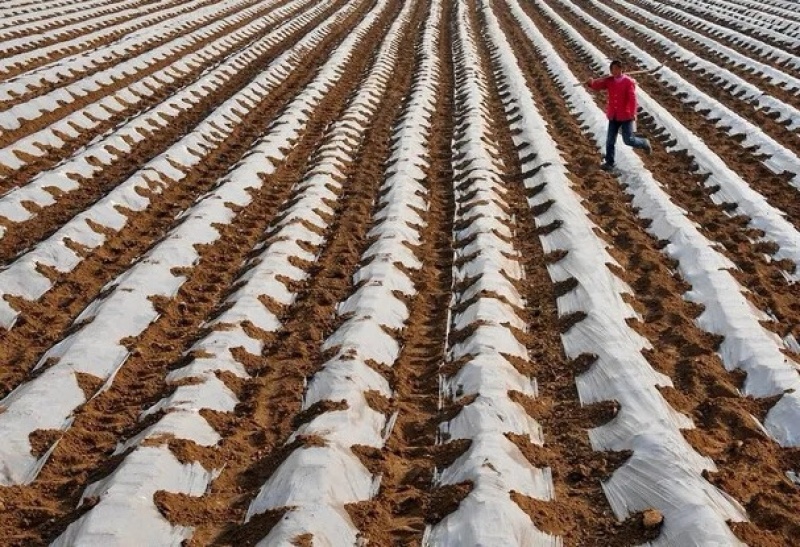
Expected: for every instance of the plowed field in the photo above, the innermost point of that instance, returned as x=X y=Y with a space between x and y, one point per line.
x=286 y=272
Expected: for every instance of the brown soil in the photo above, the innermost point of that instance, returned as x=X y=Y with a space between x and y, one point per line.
x=701 y=48
x=405 y=504
x=757 y=271
x=109 y=61
x=681 y=349
x=751 y=467
x=159 y=94
x=741 y=48
x=54 y=36
x=270 y=408
x=44 y=322
x=579 y=513
x=704 y=82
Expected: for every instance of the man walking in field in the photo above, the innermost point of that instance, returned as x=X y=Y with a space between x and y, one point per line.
x=621 y=111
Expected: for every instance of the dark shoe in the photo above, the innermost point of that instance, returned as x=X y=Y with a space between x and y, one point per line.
x=647 y=148
x=607 y=167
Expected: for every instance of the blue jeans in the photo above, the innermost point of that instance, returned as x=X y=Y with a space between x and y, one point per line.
x=626 y=128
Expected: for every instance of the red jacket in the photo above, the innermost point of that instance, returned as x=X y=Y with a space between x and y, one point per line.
x=621 y=96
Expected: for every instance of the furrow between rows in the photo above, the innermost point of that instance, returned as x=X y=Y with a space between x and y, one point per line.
x=17 y=64
x=781 y=119
x=104 y=99
x=343 y=387
x=73 y=68
x=29 y=27
x=768 y=230
x=703 y=389
x=43 y=39
x=651 y=431
x=56 y=10
x=199 y=386
x=97 y=349
x=740 y=40
x=756 y=143
x=777 y=82
x=89 y=230
x=747 y=345
x=417 y=173
x=479 y=374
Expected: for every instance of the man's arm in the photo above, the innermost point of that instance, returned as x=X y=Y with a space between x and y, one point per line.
x=596 y=84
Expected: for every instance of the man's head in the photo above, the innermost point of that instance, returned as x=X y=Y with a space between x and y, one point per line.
x=616 y=68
